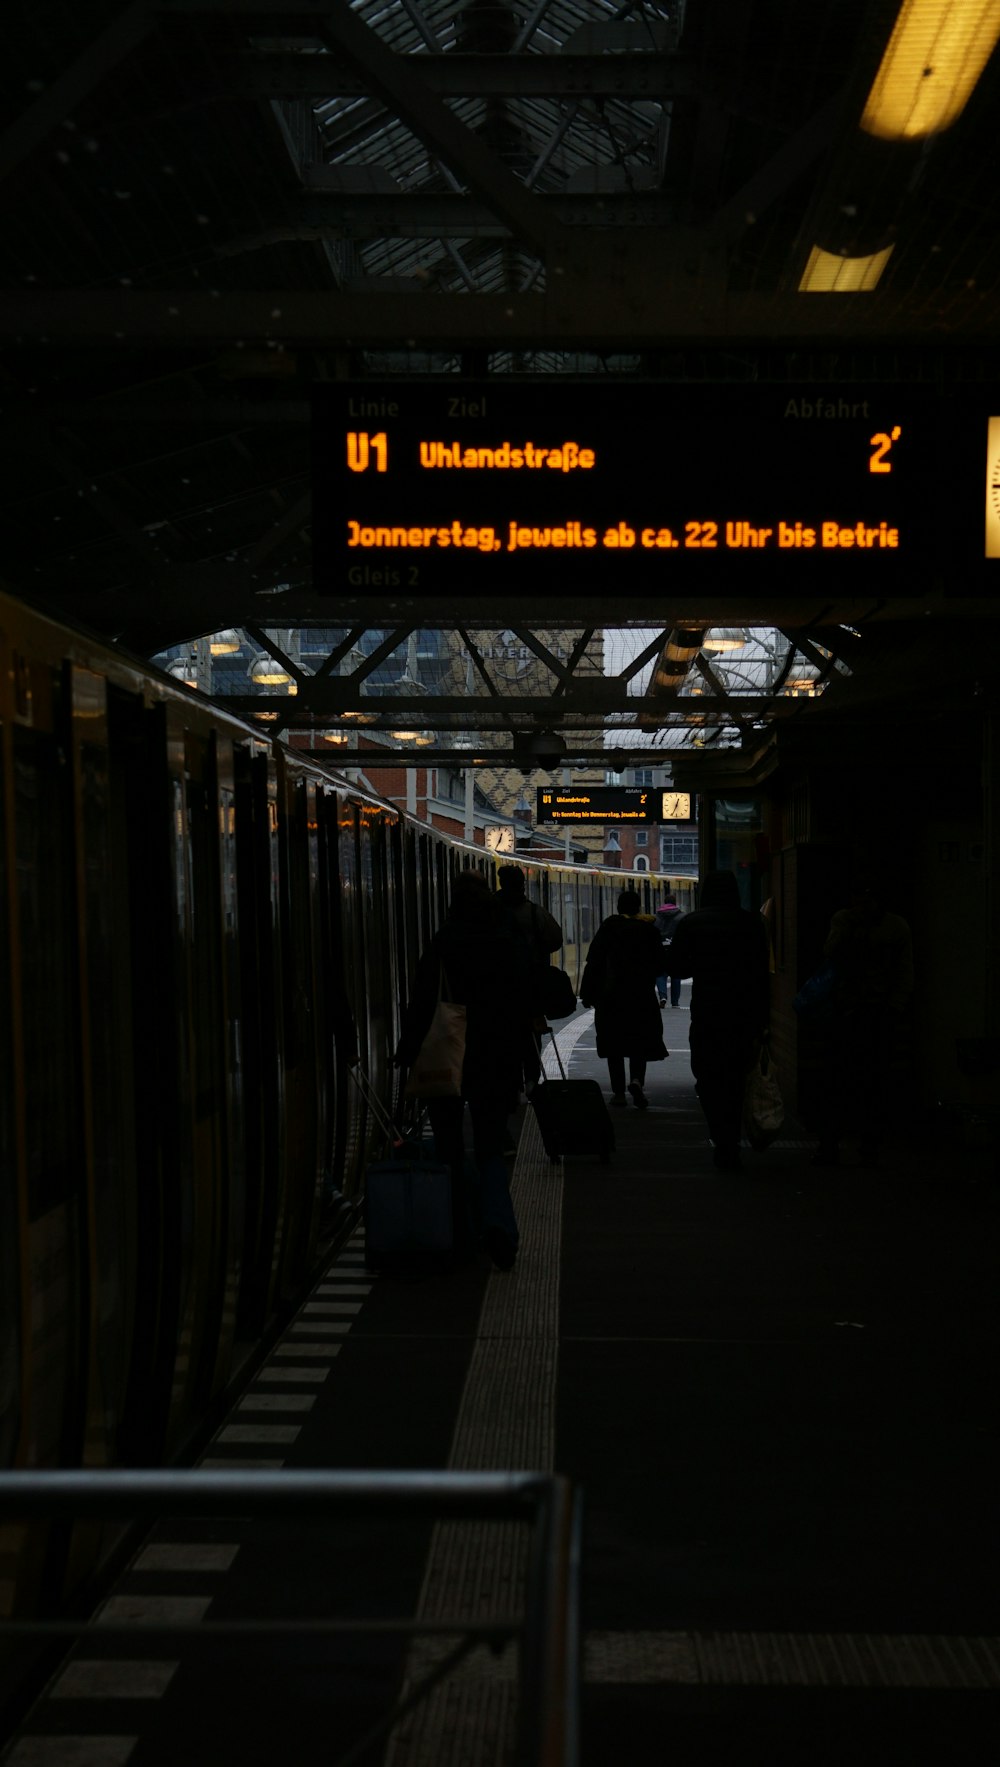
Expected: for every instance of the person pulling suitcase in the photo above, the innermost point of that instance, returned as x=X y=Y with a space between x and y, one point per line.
x=477 y=962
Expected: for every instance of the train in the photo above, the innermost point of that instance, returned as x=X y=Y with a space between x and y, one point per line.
x=203 y=932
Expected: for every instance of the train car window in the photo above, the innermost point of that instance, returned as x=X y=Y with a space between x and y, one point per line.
x=45 y=891
x=45 y=879
x=105 y=1034
x=380 y=951
x=426 y=891
x=261 y=1063
x=586 y=920
x=353 y=965
x=401 y=932
x=10 y=1274
x=205 y=977
x=301 y=1122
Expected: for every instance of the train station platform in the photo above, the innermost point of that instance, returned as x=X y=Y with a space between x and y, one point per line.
x=775 y=1389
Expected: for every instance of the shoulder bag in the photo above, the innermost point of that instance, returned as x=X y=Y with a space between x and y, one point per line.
x=437 y=1068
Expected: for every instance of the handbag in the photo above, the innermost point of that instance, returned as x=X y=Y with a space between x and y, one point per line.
x=556 y=995
x=763 y=1110
x=437 y=1068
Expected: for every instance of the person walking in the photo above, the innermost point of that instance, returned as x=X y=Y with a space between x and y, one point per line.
x=724 y=949
x=619 y=982
x=666 y=918
x=542 y=935
x=477 y=961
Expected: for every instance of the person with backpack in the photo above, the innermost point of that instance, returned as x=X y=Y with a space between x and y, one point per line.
x=666 y=918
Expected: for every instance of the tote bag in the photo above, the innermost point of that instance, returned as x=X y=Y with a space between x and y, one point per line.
x=763 y=1110
x=437 y=1070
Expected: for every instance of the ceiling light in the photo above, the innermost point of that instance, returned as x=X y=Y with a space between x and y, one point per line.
x=936 y=53
x=722 y=638
x=224 y=643
x=266 y=671
x=829 y=273
x=803 y=679
x=184 y=669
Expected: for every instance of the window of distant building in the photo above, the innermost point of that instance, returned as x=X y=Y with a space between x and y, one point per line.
x=679 y=852
x=642 y=863
x=642 y=837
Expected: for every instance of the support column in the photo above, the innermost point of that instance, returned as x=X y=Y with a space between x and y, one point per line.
x=470 y=804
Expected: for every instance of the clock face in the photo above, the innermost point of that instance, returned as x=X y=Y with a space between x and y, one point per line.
x=676 y=806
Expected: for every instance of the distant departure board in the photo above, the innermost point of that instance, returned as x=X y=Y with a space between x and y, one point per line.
x=454 y=488
x=598 y=803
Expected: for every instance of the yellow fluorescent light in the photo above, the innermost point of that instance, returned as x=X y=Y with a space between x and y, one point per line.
x=936 y=53
x=828 y=273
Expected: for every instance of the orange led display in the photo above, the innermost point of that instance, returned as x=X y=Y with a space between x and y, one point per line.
x=590 y=488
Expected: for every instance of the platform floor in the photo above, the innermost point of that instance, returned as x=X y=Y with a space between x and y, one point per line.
x=778 y=1391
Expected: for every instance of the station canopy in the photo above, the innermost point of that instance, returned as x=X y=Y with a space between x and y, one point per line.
x=743 y=252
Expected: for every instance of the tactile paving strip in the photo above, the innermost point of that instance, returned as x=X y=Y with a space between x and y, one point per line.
x=506 y=1422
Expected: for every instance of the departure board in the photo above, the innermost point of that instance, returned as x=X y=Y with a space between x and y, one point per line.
x=573 y=488
x=597 y=803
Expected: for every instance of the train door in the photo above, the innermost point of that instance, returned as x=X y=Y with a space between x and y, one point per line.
x=105 y=1072
x=353 y=972
x=379 y=947
x=258 y=908
x=148 y=981
x=341 y=1042
x=21 y=1563
x=44 y=880
x=303 y=1178
x=50 y=1213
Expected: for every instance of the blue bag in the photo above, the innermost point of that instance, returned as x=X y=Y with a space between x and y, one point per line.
x=407 y=1209
x=815 y=1000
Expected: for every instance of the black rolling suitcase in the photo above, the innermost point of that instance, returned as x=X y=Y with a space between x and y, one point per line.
x=572 y=1116
x=408 y=1206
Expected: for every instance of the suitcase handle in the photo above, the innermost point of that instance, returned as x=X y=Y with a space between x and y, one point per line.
x=555 y=1046
x=395 y=1136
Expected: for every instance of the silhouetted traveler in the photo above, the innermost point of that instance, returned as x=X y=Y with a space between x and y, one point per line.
x=871 y=949
x=484 y=967
x=724 y=949
x=542 y=935
x=619 y=982
x=666 y=918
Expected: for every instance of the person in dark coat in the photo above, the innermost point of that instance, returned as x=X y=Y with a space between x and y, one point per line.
x=724 y=949
x=542 y=935
x=480 y=963
x=666 y=918
x=619 y=982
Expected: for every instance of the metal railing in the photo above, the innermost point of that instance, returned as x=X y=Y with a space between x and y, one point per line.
x=546 y=1629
